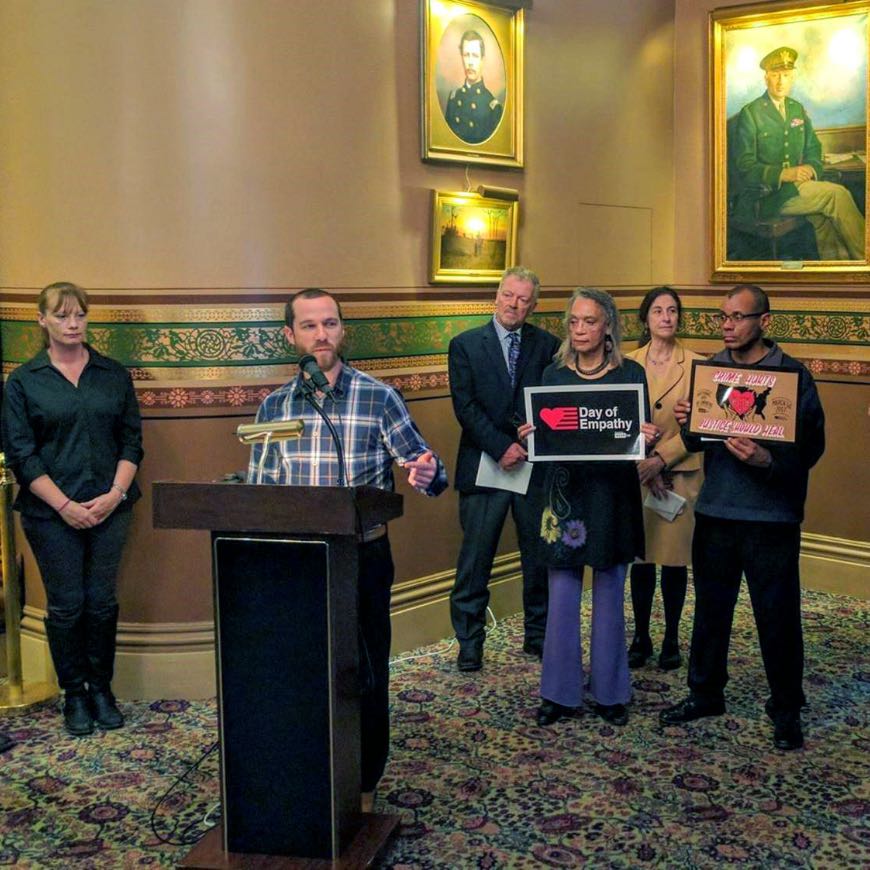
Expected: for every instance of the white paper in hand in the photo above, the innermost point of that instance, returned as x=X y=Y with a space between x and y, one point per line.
x=670 y=506
x=491 y=474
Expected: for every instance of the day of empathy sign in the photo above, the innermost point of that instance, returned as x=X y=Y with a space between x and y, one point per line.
x=585 y=422
x=758 y=402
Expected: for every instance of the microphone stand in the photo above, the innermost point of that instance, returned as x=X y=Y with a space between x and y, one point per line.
x=308 y=395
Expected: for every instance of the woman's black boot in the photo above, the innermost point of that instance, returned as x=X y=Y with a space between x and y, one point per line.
x=68 y=654
x=101 y=634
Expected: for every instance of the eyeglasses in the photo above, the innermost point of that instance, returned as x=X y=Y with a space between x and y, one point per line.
x=720 y=316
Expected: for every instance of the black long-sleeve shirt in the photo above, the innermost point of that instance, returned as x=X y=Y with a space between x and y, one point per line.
x=74 y=434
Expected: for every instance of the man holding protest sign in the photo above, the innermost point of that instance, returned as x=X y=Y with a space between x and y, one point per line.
x=748 y=518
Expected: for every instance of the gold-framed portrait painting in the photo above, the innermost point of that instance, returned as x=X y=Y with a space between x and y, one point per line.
x=471 y=82
x=473 y=238
x=789 y=88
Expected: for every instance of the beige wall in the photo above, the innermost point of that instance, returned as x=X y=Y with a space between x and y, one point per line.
x=838 y=503
x=194 y=145
x=691 y=162
x=267 y=143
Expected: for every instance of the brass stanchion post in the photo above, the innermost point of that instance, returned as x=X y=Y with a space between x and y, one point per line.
x=14 y=696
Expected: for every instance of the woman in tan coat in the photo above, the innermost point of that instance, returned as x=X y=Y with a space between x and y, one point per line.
x=668 y=366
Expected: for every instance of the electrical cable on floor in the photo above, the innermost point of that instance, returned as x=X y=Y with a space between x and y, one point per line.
x=207 y=821
x=424 y=655
x=450 y=643
x=184 y=841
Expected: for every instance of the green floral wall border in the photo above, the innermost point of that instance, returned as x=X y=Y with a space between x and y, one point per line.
x=232 y=365
x=232 y=344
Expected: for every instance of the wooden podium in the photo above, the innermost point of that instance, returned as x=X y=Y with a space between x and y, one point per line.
x=284 y=562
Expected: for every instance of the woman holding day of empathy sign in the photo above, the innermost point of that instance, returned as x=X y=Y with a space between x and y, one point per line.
x=592 y=516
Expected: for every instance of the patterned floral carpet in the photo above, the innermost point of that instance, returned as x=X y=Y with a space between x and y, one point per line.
x=478 y=784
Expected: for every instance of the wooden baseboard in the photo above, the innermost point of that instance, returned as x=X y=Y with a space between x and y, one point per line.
x=160 y=660
x=835 y=565
x=176 y=660
x=421 y=607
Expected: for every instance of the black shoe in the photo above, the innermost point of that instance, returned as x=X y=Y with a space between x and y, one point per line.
x=787 y=733
x=6 y=742
x=470 y=658
x=615 y=714
x=639 y=651
x=550 y=712
x=106 y=712
x=77 y=715
x=689 y=709
x=670 y=658
x=534 y=648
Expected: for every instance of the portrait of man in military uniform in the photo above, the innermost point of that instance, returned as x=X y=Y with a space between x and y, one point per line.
x=776 y=168
x=472 y=82
x=472 y=111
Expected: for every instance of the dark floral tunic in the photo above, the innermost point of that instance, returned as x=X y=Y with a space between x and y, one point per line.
x=592 y=510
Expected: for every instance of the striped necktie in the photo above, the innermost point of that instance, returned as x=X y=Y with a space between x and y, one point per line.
x=513 y=356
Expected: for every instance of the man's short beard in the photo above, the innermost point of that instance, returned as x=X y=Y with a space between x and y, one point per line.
x=339 y=349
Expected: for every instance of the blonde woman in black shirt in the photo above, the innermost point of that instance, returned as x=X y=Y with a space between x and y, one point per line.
x=73 y=438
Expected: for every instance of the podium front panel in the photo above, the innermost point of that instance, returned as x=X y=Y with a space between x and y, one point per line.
x=280 y=701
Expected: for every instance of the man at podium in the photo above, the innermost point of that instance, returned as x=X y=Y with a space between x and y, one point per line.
x=374 y=428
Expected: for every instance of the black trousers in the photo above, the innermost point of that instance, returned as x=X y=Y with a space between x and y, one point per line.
x=482 y=516
x=79 y=567
x=767 y=553
x=376 y=574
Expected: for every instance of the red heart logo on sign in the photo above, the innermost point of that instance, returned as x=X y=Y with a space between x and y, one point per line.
x=741 y=401
x=561 y=418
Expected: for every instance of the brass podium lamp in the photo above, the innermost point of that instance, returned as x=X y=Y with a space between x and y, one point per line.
x=14 y=695
x=274 y=430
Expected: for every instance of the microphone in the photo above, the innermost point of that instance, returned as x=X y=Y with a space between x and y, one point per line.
x=317 y=381
x=308 y=365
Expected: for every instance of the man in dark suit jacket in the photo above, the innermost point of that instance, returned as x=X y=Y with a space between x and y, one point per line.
x=489 y=366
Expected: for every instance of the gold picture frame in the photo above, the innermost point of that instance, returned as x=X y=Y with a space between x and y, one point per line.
x=471 y=82
x=788 y=126
x=473 y=238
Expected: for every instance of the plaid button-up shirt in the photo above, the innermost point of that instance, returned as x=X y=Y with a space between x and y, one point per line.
x=375 y=429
